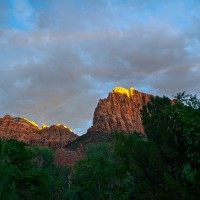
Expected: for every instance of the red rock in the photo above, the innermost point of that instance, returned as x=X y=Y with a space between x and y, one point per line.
x=68 y=157
x=56 y=136
x=120 y=111
x=25 y=130
x=17 y=128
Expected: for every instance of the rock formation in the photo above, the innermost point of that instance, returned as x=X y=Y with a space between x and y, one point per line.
x=76 y=149
x=120 y=111
x=56 y=136
x=68 y=157
x=25 y=130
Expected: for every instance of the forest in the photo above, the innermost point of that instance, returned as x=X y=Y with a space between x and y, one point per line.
x=162 y=164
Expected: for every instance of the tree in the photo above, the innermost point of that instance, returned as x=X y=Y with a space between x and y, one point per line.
x=164 y=163
x=98 y=177
x=30 y=173
x=173 y=127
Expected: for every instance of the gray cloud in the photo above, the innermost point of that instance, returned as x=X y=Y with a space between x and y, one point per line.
x=74 y=53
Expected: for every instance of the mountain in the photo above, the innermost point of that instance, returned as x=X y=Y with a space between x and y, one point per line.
x=22 y=129
x=120 y=111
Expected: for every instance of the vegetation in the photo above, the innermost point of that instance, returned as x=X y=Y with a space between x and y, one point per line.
x=163 y=164
x=173 y=131
x=98 y=177
x=30 y=173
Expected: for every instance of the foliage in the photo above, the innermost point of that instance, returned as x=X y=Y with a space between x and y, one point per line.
x=98 y=177
x=30 y=173
x=43 y=157
x=162 y=164
x=173 y=128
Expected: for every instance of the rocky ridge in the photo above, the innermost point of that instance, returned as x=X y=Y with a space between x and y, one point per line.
x=22 y=129
x=120 y=111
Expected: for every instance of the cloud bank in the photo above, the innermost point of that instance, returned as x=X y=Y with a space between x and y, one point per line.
x=57 y=58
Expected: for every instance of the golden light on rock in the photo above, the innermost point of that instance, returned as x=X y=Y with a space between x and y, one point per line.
x=44 y=126
x=121 y=90
x=31 y=122
x=64 y=127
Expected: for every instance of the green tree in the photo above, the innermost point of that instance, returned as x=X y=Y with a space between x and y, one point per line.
x=165 y=162
x=143 y=159
x=11 y=160
x=97 y=176
x=173 y=127
x=30 y=173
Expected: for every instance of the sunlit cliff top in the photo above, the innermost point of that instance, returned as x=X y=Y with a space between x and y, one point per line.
x=64 y=126
x=121 y=90
x=31 y=122
x=44 y=126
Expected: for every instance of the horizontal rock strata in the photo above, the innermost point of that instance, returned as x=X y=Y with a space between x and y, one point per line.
x=22 y=129
x=120 y=111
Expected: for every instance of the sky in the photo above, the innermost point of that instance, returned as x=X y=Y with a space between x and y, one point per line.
x=59 y=57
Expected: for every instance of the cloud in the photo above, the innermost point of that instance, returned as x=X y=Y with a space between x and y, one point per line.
x=74 y=53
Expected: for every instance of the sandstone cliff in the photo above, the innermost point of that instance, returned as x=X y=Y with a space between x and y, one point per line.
x=25 y=130
x=120 y=111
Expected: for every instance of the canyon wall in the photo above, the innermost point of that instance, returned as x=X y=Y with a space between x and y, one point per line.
x=22 y=129
x=120 y=111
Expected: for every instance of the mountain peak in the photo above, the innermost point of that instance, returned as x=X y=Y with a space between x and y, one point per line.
x=120 y=111
x=122 y=90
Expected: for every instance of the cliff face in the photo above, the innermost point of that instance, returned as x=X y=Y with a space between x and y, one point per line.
x=17 y=128
x=120 y=111
x=56 y=136
x=25 y=130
